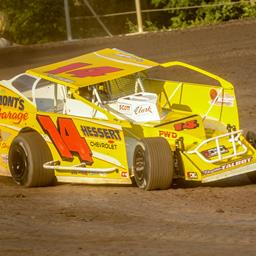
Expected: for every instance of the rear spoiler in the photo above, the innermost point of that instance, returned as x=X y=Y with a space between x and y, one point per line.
x=223 y=83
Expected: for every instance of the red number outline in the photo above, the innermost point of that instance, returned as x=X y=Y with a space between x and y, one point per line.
x=66 y=138
x=76 y=69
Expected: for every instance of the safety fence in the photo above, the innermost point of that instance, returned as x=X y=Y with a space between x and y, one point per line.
x=109 y=24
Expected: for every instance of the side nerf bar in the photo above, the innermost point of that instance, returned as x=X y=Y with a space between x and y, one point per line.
x=55 y=165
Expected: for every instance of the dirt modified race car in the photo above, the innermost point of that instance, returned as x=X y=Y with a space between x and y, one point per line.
x=99 y=118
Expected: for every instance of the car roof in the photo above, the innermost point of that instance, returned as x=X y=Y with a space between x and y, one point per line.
x=93 y=68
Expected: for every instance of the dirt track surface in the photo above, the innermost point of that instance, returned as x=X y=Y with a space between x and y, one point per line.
x=118 y=220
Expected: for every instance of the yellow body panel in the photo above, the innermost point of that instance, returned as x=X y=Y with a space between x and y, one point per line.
x=93 y=68
x=105 y=147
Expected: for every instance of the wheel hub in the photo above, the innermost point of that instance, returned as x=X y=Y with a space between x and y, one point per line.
x=19 y=163
x=139 y=165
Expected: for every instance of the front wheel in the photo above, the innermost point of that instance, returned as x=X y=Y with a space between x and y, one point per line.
x=153 y=164
x=28 y=152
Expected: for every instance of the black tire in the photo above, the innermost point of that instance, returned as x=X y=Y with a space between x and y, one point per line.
x=28 y=152
x=153 y=164
x=251 y=138
x=252 y=176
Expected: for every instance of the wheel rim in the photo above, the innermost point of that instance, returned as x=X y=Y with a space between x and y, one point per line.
x=19 y=163
x=139 y=166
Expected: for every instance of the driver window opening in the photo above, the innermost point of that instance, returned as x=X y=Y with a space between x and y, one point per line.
x=50 y=97
x=24 y=84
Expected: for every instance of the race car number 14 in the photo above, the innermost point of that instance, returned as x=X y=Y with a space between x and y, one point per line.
x=66 y=138
x=75 y=70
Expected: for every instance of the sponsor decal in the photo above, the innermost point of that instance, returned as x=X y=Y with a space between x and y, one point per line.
x=4 y=158
x=124 y=108
x=79 y=172
x=142 y=110
x=213 y=94
x=66 y=138
x=228 y=165
x=14 y=102
x=209 y=153
x=76 y=69
x=192 y=175
x=3 y=145
x=88 y=173
x=124 y=174
x=192 y=124
x=16 y=117
x=128 y=56
x=85 y=173
x=226 y=100
x=223 y=100
x=101 y=133
x=167 y=134
x=103 y=145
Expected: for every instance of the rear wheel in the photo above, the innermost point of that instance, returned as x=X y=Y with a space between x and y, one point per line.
x=153 y=164
x=251 y=138
x=28 y=152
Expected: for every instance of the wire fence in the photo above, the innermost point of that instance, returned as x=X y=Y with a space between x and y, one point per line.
x=102 y=20
x=170 y=9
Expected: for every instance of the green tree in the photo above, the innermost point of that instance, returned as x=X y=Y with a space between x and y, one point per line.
x=180 y=17
x=223 y=10
x=34 y=21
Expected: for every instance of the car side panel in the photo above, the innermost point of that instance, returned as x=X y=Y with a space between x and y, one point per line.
x=101 y=140
x=16 y=112
x=98 y=143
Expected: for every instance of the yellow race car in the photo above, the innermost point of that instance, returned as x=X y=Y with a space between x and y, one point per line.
x=100 y=118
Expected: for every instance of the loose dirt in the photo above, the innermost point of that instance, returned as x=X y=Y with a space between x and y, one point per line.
x=216 y=219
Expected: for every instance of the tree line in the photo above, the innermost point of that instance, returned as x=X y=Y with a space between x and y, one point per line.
x=37 y=21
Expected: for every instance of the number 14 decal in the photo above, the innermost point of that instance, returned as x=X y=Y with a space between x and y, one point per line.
x=77 y=70
x=66 y=138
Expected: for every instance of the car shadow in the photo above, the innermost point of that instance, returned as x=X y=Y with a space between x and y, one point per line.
x=237 y=181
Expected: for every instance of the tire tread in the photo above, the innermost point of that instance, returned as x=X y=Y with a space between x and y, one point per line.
x=159 y=160
x=38 y=154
